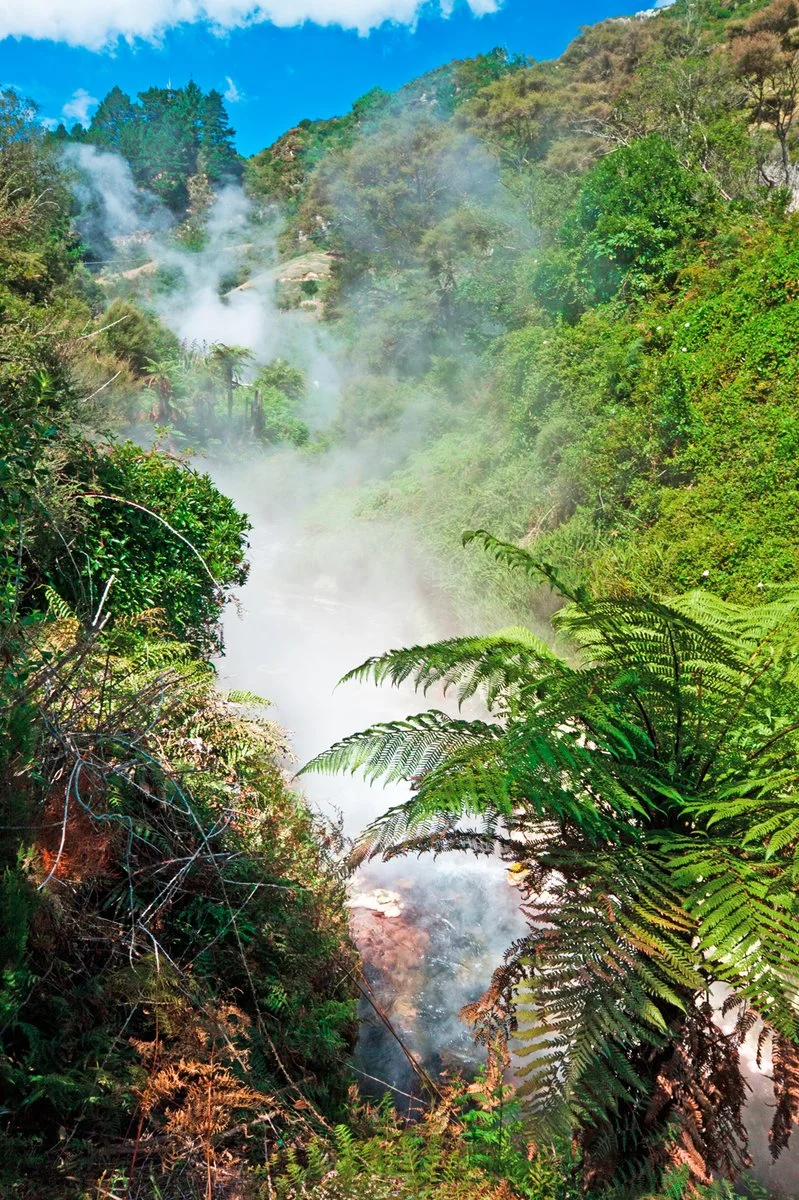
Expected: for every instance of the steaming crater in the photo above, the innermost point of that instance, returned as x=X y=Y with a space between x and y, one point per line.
x=428 y=944
x=318 y=602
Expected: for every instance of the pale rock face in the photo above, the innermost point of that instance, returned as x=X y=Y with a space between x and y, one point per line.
x=380 y=901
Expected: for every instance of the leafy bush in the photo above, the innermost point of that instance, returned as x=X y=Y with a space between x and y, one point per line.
x=637 y=214
x=136 y=336
x=174 y=943
x=153 y=531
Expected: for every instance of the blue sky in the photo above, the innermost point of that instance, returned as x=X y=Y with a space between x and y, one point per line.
x=274 y=72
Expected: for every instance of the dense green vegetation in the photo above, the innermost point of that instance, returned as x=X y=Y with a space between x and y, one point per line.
x=561 y=299
x=174 y=960
x=587 y=267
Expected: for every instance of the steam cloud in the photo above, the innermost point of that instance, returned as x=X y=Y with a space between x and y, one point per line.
x=323 y=596
x=113 y=210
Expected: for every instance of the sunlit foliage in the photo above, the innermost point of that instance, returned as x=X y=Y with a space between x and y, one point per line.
x=644 y=788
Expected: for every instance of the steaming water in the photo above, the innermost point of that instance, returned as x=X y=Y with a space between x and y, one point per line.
x=315 y=605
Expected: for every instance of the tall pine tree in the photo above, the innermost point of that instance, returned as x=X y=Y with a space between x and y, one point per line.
x=219 y=159
x=112 y=121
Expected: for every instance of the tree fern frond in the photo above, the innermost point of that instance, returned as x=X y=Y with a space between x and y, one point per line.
x=439 y=803
x=493 y=664
x=395 y=750
x=510 y=555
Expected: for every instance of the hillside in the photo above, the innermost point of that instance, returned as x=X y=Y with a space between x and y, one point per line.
x=606 y=240
x=555 y=301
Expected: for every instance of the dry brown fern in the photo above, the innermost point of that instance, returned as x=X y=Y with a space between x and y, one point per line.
x=194 y=1110
x=493 y=1017
x=785 y=1071
x=700 y=1093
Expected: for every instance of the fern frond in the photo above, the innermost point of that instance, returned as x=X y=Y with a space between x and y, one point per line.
x=395 y=750
x=239 y=696
x=57 y=606
x=513 y=556
x=747 y=925
x=471 y=782
x=493 y=665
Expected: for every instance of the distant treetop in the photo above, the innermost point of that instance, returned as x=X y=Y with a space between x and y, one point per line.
x=167 y=135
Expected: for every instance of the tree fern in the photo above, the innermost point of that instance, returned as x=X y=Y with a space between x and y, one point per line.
x=647 y=789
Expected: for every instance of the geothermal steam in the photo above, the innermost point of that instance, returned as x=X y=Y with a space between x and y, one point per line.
x=321 y=598
x=324 y=595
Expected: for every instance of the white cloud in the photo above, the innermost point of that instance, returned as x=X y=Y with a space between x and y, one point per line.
x=77 y=107
x=232 y=93
x=101 y=23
